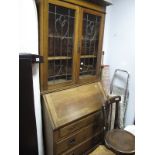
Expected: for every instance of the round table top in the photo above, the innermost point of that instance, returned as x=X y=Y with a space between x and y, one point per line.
x=120 y=140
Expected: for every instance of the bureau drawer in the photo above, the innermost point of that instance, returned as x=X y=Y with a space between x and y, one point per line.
x=77 y=138
x=84 y=146
x=67 y=130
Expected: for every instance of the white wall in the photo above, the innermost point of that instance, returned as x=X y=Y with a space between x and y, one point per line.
x=119 y=45
x=28 y=31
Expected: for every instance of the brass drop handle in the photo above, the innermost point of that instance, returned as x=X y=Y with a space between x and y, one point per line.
x=95 y=140
x=71 y=141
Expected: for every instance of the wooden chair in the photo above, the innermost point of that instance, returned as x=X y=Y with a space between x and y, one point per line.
x=117 y=141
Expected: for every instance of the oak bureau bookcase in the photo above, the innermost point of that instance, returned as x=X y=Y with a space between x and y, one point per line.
x=71 y=38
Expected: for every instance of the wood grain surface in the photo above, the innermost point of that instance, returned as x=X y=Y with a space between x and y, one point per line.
x=71 y=104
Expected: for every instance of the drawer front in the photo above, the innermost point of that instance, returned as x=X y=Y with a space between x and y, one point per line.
x=77 y=138
x=67 y=130
x=84 y=146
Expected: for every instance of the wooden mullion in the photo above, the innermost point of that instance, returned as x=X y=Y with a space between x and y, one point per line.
x=80 y=24
x=59 y=57
x=88 y=56
x=75 y=48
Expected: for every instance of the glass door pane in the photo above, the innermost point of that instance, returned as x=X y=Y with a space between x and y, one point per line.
x=89 y=46
x=60 y=43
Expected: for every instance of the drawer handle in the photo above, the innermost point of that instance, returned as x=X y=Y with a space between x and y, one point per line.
x=95 y=140
x=72 y=141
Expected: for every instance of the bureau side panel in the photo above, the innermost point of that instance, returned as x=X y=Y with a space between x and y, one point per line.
x=47 y=132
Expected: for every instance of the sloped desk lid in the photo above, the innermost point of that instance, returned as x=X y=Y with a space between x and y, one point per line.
x=71 y=104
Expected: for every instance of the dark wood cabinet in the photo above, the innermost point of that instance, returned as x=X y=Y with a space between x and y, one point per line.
x=28 y=144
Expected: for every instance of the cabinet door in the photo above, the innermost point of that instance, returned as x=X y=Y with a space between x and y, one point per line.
x=60 y=25
x=90 y=45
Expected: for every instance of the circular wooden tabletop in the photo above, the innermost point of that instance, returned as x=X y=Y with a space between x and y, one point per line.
x=120 y=140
